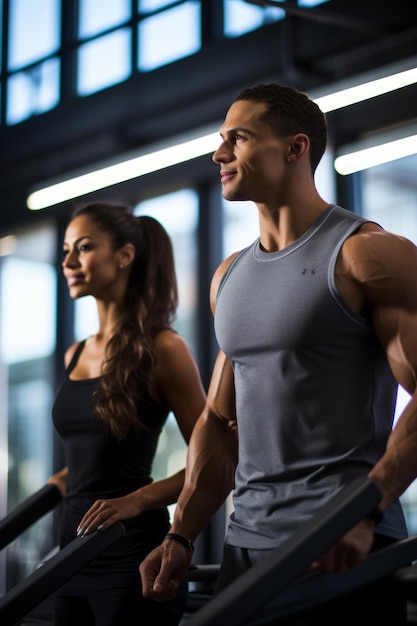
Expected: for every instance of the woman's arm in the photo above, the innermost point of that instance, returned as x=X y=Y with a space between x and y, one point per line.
x=60 y=480
x=180 y=389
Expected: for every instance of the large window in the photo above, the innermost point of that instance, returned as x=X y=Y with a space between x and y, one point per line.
x=32 y=85
x=157 y=46
x=102 y=43
x=242 y=18
x=27 y=344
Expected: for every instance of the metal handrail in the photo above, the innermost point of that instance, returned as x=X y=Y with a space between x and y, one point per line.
x=28 y=512
x=276 y=589
x=54 y=572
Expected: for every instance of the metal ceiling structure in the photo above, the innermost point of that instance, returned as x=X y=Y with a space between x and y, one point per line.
x=309 y=49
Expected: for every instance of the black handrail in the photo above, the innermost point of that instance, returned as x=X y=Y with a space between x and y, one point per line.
x=54 y=572
x=28 y=512
x=315 y=590
x=274 y=589
x=242 y=600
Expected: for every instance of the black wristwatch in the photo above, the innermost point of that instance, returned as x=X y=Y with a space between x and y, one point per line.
x=182 y=540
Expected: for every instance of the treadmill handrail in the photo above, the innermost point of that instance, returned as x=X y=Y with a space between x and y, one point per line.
x=27 y=512
x=317 y=589
x=54 y=572
x=242 y=599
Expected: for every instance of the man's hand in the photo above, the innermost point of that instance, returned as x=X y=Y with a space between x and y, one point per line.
x=350 y=550
x=163 y=569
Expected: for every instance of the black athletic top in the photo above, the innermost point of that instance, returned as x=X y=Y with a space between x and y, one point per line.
x=99 y=466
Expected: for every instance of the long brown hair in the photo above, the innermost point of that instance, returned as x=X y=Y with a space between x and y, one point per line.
x=150 y=306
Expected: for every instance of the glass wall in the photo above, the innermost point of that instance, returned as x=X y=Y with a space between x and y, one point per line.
x=34 y=32
x=27 y=344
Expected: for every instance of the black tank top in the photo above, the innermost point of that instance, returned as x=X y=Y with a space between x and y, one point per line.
x=102 y=467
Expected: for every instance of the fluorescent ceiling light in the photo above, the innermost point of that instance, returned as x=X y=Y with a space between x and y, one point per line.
x=358 y=93
x=390 y=146
x=106 y=176
x=358 y=158
x=205 y=141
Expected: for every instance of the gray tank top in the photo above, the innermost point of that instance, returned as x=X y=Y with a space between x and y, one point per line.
x=315 y=396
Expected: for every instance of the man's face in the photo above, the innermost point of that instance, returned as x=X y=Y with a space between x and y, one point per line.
x=251 y=157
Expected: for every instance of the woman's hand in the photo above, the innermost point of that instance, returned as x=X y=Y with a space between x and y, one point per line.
x=105 y=513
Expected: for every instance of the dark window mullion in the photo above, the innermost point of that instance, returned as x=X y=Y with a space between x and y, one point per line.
x=212 y=21
x=4 y=73
x=69 y=41
x=134 y=37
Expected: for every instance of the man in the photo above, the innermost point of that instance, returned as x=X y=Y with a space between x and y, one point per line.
x=316 y=323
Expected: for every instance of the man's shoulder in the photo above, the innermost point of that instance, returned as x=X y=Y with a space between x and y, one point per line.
x=371 y=250
x=218 y=276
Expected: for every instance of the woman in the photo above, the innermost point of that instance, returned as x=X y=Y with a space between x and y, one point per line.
x=119 y=387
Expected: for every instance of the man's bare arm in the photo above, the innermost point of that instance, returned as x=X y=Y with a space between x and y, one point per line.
x=209 y=478
x=377 y=273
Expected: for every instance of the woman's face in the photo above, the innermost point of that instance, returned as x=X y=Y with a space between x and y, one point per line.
x=90 y=265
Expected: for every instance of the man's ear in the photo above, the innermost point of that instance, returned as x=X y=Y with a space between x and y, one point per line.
x=126 y=255
x=299 y=145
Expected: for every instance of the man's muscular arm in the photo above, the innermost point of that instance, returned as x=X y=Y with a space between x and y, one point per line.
x=377 y=272
x=209 y=478
x=395 y=322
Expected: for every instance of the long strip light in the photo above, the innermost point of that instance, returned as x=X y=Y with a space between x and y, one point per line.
x=106 y=176
x=390 y=147
x=183 y=149
x=364 y=155
x=365 y=91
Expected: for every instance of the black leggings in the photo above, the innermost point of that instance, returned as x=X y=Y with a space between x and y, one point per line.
x=112 y=609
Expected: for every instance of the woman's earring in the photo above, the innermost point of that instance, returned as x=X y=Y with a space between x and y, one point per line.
x=121 y=266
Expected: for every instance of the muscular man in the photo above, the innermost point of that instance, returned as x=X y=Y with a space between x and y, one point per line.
x=316 y=323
